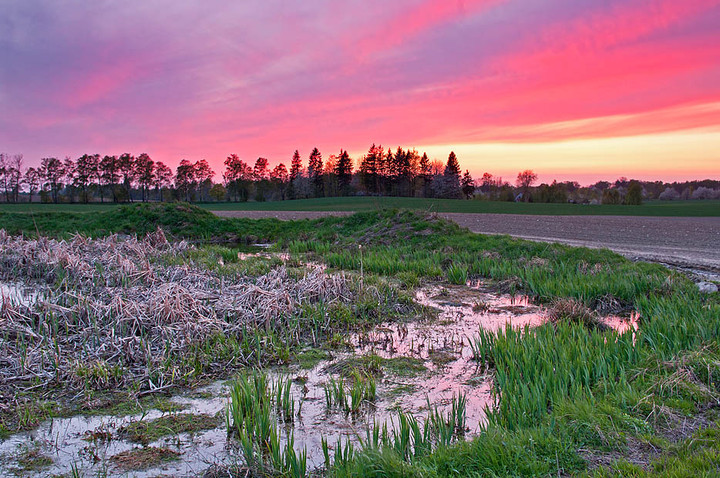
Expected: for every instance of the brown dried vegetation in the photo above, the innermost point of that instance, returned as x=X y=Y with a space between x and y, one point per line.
x=110 y=312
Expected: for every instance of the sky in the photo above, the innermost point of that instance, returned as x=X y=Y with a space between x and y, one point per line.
x=573 y=89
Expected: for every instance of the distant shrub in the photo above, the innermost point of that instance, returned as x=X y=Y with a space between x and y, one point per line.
x=705 y=193
x=670 y=194
x=611 y=196
x=634 y=194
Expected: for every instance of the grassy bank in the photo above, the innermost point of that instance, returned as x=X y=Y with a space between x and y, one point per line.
x=572 y=398
x=179 y=219
x=359 y=204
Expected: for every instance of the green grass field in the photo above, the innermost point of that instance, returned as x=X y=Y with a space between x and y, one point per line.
x=652 y=208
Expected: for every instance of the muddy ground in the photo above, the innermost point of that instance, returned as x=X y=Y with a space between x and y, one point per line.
x=685 y=242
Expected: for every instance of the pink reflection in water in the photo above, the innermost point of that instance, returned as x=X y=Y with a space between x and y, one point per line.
x=443 y=344
x=623 y=324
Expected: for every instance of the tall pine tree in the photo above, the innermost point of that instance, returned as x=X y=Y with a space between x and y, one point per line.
x=315 y=171
x=451 y=178
x=468 y=185
x=369 y=168
x=425 y=175
x=295 y=169
x=343 y=170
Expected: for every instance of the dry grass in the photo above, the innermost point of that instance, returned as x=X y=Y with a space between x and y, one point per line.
x=110 y=313
x=572 y=310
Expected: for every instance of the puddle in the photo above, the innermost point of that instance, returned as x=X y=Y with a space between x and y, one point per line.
x=17 y=294
x=66 y=442
x=437 y=348
x=283 y=256
x=463 y=309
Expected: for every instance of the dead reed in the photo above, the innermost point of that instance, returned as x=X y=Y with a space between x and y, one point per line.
x=111 y=312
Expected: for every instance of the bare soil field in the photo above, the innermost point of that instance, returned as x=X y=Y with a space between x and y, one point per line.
x=685 y=242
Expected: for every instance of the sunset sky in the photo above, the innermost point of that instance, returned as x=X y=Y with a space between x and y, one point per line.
x=574 y=89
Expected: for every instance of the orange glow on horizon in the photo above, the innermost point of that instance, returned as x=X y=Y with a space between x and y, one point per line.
x=665 y=156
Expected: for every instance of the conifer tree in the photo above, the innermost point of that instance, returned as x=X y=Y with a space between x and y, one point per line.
x=343 y=170
x=425 y=175
x=468 y=185
x=295 y=169
x=451 y=178
x=315 y=172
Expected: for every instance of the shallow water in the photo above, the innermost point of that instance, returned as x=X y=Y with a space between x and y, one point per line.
x=66 y=441
x=283 y=256
x=441 y=344
x=17 y=294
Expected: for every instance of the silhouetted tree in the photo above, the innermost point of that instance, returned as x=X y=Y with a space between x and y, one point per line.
x=601 y=185
x=185 y=180
x=451 y=178
x=260 y=174
x=238 y=176
x=15 y=176
x=330 y=180
x=280 y=178
x=260 y=170
x=315 y=171
x=555 y=192
x=69 y=178
x=402 y=171
x=486 y=183
x=295 y=172
x=385 y=172
x=110 y=174
x=525 y=179
x=162 y=178
x=52 y=171
x=11 y=176
x=32 y=179
x=203 y=178
x=126 y=168
x=145 y=173
x=3 y=175
x=369 y=169
x=424 y=176
x=622 y=182
x=343 y=170
x=468 y=185
x=86 y=168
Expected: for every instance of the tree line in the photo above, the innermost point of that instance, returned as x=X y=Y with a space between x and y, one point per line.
x=389 y=172
x=621 y=191
x=379 y=172
x=87 y=178
x=125 y=177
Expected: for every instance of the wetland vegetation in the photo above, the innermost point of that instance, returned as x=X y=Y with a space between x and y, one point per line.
x=386 y=343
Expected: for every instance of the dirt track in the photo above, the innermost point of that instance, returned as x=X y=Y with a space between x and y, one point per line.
x=686 y=242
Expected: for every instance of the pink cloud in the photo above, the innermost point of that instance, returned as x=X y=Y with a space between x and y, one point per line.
x=427 y=15
x=97 y=85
